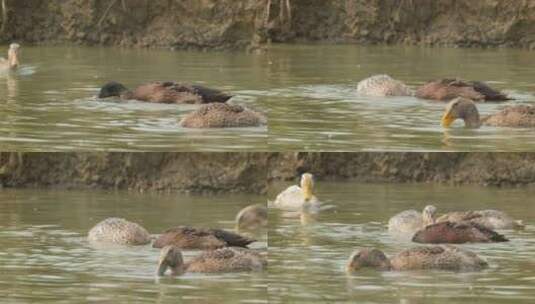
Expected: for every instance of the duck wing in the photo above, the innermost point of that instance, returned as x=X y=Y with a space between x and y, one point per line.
x=229 y=259
x=457 y=233
x=513 y=116
x=200 y=238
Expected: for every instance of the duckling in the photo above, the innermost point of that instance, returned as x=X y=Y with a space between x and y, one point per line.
x=294 y=197
x=222 y=115
x=418 y=258
x=230 y=259
x=447 y=89
x=12 y=61
x=252 y=217
x=520 y=116
x=199 y=238
x=410 y=221
x=164 y=92
x=457 y=233
x=383 y=85
x=490 y=219
x=118 y=231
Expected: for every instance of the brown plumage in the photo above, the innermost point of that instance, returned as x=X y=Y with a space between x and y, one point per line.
x=230 y=259
x=165 y=92
x=222 y=115
x=417 y=258
x=447 y=89
x=118 y=231
x=252 y=217
x=457 y=233
x=198 y=238
x=490 y=219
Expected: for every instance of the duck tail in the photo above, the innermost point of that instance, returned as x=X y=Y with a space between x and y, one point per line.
x=496 y=237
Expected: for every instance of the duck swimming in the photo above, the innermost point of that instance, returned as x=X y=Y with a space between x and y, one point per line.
x=118 y=231
x=164 y=92
x=457 y=233
x=381 y=86
x=222 y=115
x=447 y=89
x=294 y=197
x=418 y=258
x=410 y=221
x=230 y=259
x=200 y=238
x=12 y=61
x=490 y=219
x=520 y=116
x=252 y=217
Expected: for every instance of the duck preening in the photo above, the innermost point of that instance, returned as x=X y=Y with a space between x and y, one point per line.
x=230 y=259
x=118 y=231
x=200 y=238
x=12 y=61
x=418 y=258
x=294 y=197
x=222 y=115
x=519 y=116
x=410 y=221
x=164 y=92
x=448 y=89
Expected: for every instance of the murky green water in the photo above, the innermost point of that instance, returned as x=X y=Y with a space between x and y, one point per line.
x=313 y=104
x=50 y=105
x=45 y=257
x=307 y=262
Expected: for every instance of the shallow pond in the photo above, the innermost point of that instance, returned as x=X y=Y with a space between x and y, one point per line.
x=45 y=257
x=313 y=104
x=307 y=261
x=50 y=104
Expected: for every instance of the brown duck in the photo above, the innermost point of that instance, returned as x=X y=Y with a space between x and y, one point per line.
x=448 y=89
x=222 y=115
x=118 y=231
x=519 y=116
x=457 y=233
x=164 y=92
x=230 y=259
x=252 y=217
x=417 y=258
x=200 y=238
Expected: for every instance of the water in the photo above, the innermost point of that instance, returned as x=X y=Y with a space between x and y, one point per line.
x=45 y=257
x=307 y=261
x=313 y=104
x=50 y=104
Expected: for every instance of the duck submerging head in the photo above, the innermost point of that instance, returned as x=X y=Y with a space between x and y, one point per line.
x=170 y=257
x=368 y=258
x=112 y=89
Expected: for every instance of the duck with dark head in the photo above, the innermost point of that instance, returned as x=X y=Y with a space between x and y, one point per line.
x=164 y=92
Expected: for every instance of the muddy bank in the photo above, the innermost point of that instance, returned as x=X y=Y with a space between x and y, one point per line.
x=488 y=169
x=184 y=172
x=239 y=24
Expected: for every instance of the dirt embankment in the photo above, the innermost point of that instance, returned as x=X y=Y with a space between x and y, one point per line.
x=247 y=172
x=229 y=24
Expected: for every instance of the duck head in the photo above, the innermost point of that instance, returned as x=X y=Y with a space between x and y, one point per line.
x=428 y=215
x=13 y=55
x=112 y=89
x=461 y=108
x=171 y=257
x=307 y=185
x=368 y=258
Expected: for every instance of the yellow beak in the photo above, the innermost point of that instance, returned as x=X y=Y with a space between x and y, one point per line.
x=447 y=119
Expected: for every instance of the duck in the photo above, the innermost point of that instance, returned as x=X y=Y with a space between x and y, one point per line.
x=518 y=116
x=229 y=259
x=457 y=233
x=252 y=217
x=118 y=231
x=449 y=88
x=489 y=218
x=164 y=92
x=12 y=61
x=200 y=238
x=383 y=85
x=294 y=197
x=410 y=221
x=222 y=115
x=444 y=257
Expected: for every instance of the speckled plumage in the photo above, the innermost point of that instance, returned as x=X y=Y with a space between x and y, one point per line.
x=119 y=231
x=490 y=219
x=198 y=238
x=437 y=257
x=383 y=85
x=252 y=217
x=222 y=115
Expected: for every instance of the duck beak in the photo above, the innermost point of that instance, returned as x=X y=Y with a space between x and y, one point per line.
x=447 y=119
x=162 y=267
